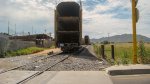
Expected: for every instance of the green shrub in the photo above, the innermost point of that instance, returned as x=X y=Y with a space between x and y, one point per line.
x=125 y=58
x=26 y=51
x=97 y=50
x=143 y=53
x=124 y=54
x=105 y=42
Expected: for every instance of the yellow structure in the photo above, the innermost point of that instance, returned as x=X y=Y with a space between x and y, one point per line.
x=134 y=19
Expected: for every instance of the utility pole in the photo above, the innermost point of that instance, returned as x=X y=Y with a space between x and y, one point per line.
x=50 y=34
x=81 y=4
x=45 y=31
x=32 y=30
x=8 y=28
x=23 y=32
x=108 y=37
x=135 y=17
x=15 y=30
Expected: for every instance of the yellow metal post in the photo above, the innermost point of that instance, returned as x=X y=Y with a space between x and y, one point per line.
x=134 y=31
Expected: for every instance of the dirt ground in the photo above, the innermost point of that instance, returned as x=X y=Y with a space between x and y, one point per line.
x=45 y=52
x=6 y=63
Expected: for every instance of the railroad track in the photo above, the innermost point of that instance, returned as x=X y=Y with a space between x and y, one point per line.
x=15 y=68
x=49 y=67
x=40 y=72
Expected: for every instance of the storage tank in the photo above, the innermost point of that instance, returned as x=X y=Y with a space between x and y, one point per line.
x=68 y=25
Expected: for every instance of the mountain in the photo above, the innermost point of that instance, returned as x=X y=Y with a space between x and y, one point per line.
x=122 y=38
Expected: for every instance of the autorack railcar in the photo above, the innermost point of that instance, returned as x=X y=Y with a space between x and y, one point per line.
x=68 y=25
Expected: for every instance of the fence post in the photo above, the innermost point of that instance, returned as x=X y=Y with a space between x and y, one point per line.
x=113 y=52
x=103 y=51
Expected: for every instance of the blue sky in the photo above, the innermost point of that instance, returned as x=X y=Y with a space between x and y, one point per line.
x=100 y=17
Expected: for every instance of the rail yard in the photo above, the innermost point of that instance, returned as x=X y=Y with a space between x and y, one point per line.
x=77 y=61
x=81 y=60
x=68 y=36
x=66 y=56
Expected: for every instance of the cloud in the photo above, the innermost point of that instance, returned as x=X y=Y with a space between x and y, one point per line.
x=106 y=19
x=100 y=17
x=115 y=18
x=27 y=14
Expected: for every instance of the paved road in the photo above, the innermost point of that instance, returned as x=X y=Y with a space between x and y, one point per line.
x=131 y=79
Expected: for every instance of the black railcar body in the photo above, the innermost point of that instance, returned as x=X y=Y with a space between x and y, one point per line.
x=87 y=40
x=68 y=26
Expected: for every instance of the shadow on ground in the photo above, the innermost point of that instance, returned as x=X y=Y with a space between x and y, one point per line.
x=87 y=53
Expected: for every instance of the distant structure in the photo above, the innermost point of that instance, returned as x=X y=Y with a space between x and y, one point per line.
x=41 y=40
x=4 y=35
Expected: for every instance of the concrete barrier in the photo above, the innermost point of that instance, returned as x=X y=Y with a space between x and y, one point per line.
x=3 y=45
x=12 y=45
x=128 y=69
x=16 y=44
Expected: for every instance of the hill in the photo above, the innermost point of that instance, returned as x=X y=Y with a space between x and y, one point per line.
x=122 y=38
